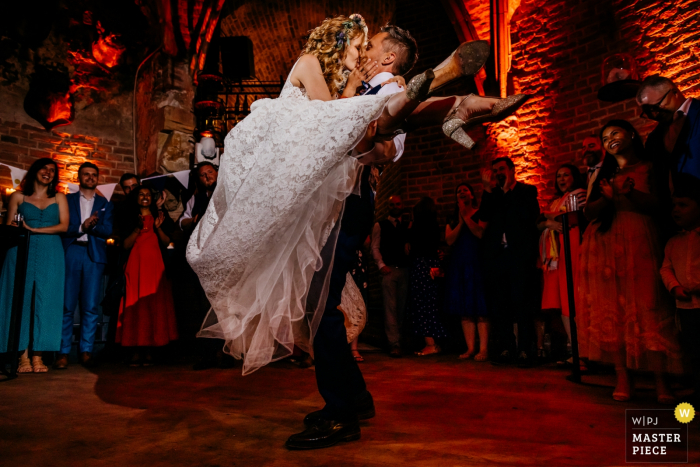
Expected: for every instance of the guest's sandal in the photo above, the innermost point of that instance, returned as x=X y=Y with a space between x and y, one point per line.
x=356 y=355
x=481 y=357
x=38 y=365
x=25 y=366
x=423 y=353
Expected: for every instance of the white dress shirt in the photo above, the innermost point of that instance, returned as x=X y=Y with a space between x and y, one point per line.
x=86 y=205
x=188 y=211
x=391 y=88
x=376 y=239
x=685 y=107
x=593 y=170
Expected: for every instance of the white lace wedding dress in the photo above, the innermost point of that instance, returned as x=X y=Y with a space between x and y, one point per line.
x=284 y=175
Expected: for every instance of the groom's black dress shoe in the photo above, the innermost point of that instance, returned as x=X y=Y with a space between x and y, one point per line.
x=324 y=434
x=364 y=407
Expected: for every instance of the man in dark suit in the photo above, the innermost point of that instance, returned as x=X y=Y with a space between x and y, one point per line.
x=674 y=145
x=339 y=379
x=86 y=257
x=510 y=255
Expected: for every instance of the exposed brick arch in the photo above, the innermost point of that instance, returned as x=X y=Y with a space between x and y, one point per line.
x=277 y=29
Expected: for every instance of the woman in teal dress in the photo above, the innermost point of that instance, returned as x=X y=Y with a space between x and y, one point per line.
x=46 y=215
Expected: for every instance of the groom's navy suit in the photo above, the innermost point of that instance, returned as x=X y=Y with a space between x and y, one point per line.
x=339 y=379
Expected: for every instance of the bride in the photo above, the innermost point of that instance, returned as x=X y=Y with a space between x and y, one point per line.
x=284 y=175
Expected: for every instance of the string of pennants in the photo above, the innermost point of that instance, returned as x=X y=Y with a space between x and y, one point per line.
x=107 y=190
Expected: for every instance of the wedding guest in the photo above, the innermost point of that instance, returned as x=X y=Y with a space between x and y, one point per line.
x=207 y=176
x=673 y=147
x=389 y=239
x=463 y=273
x=86 y=257
x=593 y=153
x=147 y=315
x=675 y=142
x=680 y=271
x=45 y=213
x=128 y=183
x=624 y=316
x=568 y=183
x=424 y=240
x=510 y=252
x=192 y=301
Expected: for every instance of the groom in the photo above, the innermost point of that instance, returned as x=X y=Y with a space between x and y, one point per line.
x=339 y=379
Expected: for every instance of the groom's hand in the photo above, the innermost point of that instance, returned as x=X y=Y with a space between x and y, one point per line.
x=366 y=143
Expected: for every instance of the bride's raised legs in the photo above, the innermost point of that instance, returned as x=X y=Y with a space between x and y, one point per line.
x=414 y=109
x=467 y=60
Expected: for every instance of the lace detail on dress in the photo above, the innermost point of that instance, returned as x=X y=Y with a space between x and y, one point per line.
x=284 y=172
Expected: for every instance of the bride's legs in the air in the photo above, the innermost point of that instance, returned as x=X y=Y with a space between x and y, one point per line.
x=467 y=60
x=412 y=109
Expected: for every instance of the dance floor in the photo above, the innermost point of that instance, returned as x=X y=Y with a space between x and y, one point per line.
x=431 y=411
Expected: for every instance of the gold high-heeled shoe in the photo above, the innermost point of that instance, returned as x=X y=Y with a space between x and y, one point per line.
x=418 y=88
x=454 y=126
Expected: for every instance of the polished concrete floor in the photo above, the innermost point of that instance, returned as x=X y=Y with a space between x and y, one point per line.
x=431 y=411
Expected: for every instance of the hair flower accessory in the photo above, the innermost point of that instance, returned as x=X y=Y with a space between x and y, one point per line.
x=343 y=37
x=360 y=21
x=340 y=39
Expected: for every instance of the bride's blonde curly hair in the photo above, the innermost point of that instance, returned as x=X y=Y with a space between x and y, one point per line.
x=329 y=42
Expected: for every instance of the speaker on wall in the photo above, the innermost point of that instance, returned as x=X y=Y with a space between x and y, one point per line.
x=237 y=58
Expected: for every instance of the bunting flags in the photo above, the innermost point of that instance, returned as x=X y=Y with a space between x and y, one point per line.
x=183 y=177
x=16 y=174
x=107 y=190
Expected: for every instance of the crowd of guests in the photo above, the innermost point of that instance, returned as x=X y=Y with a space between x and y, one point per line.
x=498 y=267
x=502 y=267
x=71 y=267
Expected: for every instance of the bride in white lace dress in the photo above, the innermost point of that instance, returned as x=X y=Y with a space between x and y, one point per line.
x=284 y=175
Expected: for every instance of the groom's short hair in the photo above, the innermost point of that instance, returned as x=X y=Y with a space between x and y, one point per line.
x=402 y=43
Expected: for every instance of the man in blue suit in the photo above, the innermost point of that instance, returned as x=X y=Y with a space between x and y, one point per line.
x=86 y=256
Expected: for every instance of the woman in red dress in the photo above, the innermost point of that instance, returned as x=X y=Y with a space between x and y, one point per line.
x=147 y=313
x=624 y=314
x=568 y=183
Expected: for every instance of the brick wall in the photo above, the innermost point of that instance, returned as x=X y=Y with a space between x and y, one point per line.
x=22 y=144
x=558 y=49
x=277 y=29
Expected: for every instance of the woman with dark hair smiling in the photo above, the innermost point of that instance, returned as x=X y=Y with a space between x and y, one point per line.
x=569 y=185
x=147 y=313
x=624 y=316
x=463 y=275
x=45 y=215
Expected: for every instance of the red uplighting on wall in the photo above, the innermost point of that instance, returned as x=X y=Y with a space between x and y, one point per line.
x=107 y=51
x=60 y=110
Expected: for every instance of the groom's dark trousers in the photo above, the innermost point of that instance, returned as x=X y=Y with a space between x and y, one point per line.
x=339 y=379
